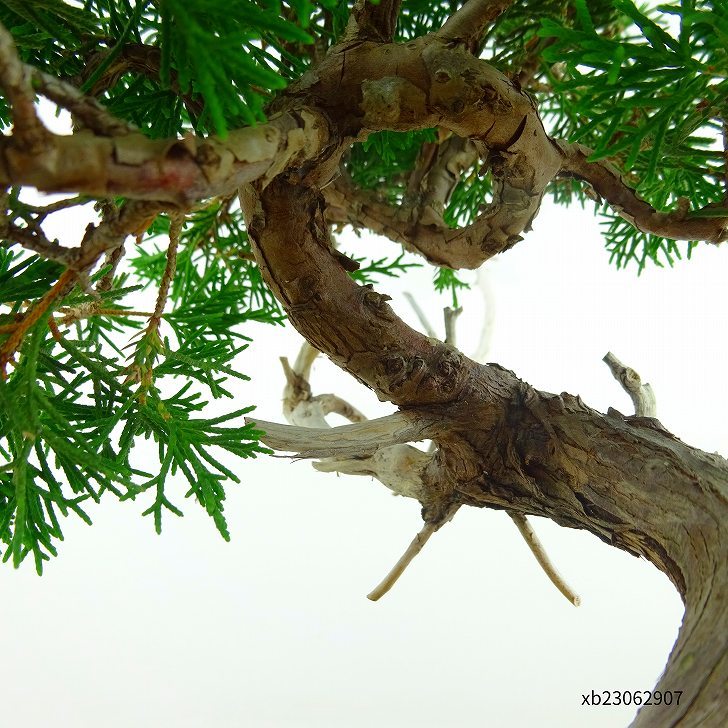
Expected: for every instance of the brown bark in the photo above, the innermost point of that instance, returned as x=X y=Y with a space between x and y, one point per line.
x=374 y=22
x=500 y=444
x=638 y=488
x=607 y=183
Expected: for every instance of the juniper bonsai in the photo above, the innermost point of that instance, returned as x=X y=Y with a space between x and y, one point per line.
x=233 y=138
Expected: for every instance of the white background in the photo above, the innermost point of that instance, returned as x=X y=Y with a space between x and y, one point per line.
x=273 y=629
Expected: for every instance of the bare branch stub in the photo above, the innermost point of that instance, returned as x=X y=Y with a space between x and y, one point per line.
x=642 y=395
x=451 y=316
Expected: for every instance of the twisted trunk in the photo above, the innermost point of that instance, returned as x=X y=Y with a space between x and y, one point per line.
x=502 y=444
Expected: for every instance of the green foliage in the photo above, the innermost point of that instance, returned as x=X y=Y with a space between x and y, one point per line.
x=95 y=382
x=447 y=280
x=226 y=78
x=384 y=161
x=469 y=196
x=74 y=412
x=649 y=102
x=514 y=44
x=368 y=272
x=150 y=61
x=418 y=17
x=217 y=282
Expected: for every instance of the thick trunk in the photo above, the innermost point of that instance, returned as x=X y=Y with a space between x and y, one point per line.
x=502 y=444
x=637 y=487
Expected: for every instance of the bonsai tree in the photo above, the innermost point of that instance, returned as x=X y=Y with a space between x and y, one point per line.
x=233 y=139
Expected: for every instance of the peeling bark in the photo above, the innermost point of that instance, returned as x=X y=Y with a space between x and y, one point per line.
x=500 y=443
x=625 y=479
x=608 y=184
x=178 y=171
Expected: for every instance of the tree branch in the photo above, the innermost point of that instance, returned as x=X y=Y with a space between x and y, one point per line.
x=373 y=22
x=28 y=131
x=36 y=241
x=496 y=229
x=608 y=184
x=133 y=219
x=176 y=171
x=467 y=24
x=351 y=324
x=405 y=560
x=643 y=398
x=537 y=549
x=85 y=108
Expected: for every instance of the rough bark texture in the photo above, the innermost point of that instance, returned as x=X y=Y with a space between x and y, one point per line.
x=500 y=443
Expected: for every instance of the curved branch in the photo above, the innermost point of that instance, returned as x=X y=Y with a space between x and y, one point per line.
x=28 y=130
x=467 y=24
x=177 y=171
x=350 y=323
x=516 y=201
x=608 y=184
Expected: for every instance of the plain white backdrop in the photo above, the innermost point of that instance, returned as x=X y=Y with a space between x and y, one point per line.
x=273 y=630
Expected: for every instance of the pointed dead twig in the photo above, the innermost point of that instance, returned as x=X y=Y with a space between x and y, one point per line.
x=524 y=527
x=642 y=395
x=405 y=560
x=451 y=317
x=426 y=325
x=537 y=549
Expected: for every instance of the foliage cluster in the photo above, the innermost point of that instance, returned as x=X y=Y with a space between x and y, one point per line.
x=94 y=375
